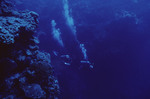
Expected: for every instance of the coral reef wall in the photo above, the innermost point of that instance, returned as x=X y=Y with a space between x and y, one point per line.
x=25 y=72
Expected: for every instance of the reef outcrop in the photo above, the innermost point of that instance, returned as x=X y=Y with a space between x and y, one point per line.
x=25 y=72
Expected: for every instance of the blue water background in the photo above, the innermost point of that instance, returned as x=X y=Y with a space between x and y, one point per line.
x=116 y=34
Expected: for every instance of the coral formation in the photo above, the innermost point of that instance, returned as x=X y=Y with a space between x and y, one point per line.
x=25 y=72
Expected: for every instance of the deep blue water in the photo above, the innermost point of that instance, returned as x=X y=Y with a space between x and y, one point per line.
x=116 y=36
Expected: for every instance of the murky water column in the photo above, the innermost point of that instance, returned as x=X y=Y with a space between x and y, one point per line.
x=70 y=23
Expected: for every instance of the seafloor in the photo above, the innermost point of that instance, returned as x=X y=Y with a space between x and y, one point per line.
x=25 y=71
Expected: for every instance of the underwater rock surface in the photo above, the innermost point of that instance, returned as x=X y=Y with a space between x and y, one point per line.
x=25 y=72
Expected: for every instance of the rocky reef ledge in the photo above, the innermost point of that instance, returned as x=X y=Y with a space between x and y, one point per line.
x=25 y=72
